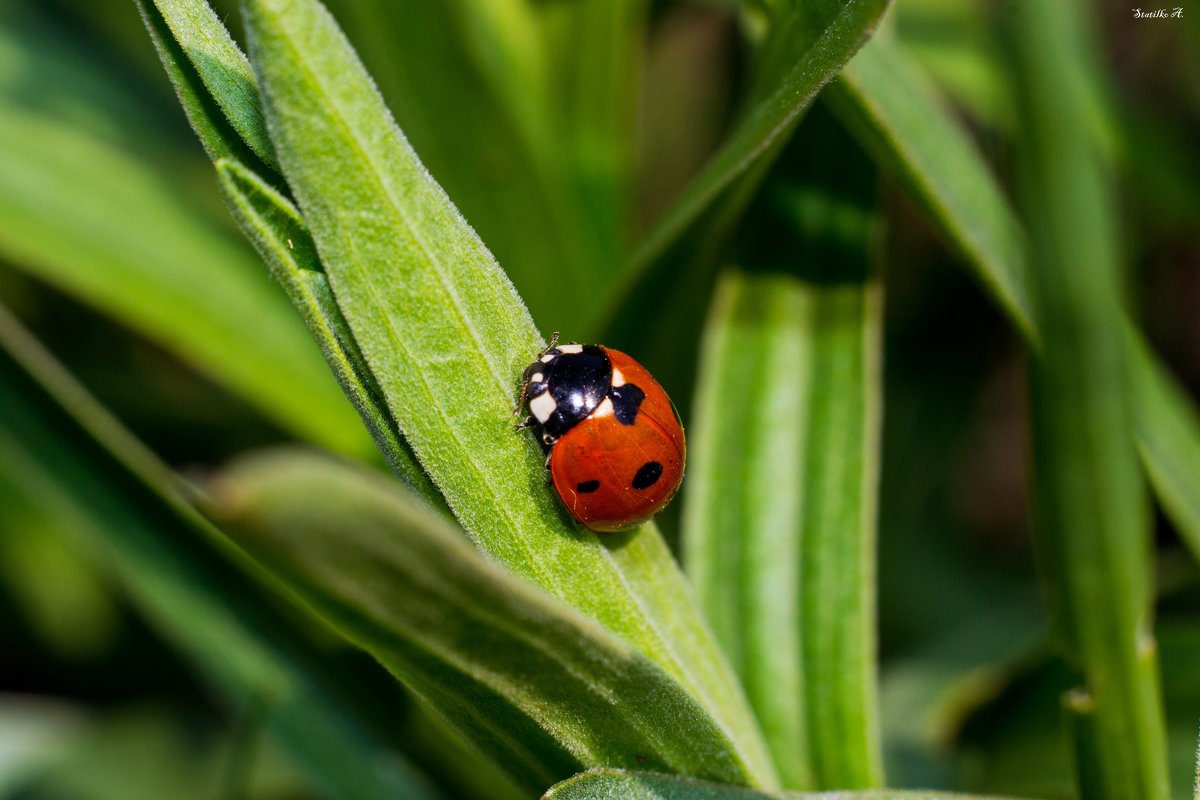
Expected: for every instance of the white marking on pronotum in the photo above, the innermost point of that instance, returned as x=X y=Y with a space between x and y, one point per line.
x=536 y=377
x=571 y=348
x=542 y=406
x=618 y=378
x=605 y=409
x=546 y=359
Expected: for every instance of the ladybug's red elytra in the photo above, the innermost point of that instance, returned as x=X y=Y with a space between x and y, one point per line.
x=616 y=445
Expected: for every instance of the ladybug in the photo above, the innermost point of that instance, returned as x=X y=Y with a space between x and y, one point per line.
x=616 y=446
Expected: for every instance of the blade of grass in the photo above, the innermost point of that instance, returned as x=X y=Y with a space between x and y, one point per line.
x=211 y=76
x=891 y=107
x=1168 y=435
x=603 y=784
x=1092 y=523
x=784 y=472
x=664 y=289
x=78 y=465
x=447 y=337
x=531 y=682
x=98 y=224
x=894 y=111
x=763 y=124
x=282 y=239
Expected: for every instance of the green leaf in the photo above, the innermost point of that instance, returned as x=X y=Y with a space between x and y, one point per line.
x=536 y=685
x=447 y=338
x=606 y=784
x=281 y=238
x=1168 y=434
x=74 y=462
x=1092 y=529
x=742 y=516
x=895 y=112
x=211 y=76
x=779 y=526
x=103 y=226
x=1196 y=785
x=766 y=122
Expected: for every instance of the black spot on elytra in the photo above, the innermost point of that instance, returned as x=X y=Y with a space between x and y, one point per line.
x=587 y=487
x=647 y=475
x=626 y=400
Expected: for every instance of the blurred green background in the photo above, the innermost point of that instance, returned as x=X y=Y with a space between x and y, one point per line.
x=102 y=183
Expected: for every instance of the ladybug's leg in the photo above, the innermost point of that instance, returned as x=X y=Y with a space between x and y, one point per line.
x=529 y=422
x=548 y=460
x=521 y=400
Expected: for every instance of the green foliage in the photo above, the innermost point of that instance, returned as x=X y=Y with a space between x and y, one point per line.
x=1092 y=521
x=410 y=249
x=600 y=784
x=537 y=686
x=70 y=458
x=779 y=526
x=517 y=647
x=283 y=241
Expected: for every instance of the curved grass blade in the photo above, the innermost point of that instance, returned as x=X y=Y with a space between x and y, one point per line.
x=766 y=122
x=661 y=296
x=605 y=784
x=98 y=224
x=895 y=112
x=210 y=74
x=447 y=338
x=1168 y=435
x=1093 y=530
x=531 y=682
x=65 y=454
x=282 y=239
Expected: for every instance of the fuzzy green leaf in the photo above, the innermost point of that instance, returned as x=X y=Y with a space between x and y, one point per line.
x=281 y=238
x=611 y=784
x=742 y=516
x=76 y=463
x=207 y=67
x=1092 y=529
x=1196 y=784
x=447 y=338
x=779 y=527
x=530 y=681
x=92 y=220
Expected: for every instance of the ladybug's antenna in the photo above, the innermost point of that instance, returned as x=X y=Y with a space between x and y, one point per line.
x=553 y=341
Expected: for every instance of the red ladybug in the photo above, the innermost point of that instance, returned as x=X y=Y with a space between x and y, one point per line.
x=616 y=443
